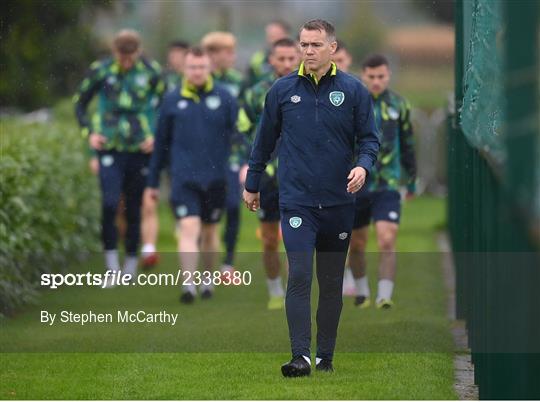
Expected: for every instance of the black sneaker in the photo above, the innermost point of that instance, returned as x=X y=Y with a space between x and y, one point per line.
x=297 y=367
x=325 y=365
x=187 y=298
x=206 y=294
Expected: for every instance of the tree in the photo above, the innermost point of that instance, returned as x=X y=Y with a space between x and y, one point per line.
x=45 y=45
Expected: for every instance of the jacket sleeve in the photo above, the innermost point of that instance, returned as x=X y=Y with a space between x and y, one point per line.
x=248 y=106
x=367 y=135
x=268 y=133
x=161 y=146
x=87 y=90
x=406 y=146
x=239 y=143
x=158 y=85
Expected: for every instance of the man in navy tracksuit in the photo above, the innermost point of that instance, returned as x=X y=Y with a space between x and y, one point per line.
x=196 y=126
x=329 y=142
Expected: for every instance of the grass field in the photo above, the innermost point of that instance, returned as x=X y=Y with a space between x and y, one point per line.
x=231 y=347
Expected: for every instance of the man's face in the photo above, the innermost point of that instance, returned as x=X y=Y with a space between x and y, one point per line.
x=197 y=69
x=284 y=60
x=343 y=60
x=274 y=32
x=126 y=60
x=176 y=58
x=223 y=59
x=316 y=49
x=376 y=78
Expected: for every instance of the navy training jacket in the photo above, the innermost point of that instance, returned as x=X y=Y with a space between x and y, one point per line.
x=326 y=129
x=195 y=132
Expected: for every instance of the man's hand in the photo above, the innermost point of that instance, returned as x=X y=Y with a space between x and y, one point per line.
x=147 y=146
x=252 y=200
x=243 y=173
x=94 y=165
x=357 y=177
x=151 y=195
x=97 y=141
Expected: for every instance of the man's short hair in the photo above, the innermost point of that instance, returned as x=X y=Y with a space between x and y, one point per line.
x=322 y=26
x=196 y=51
x=341 y=46
x=179 y=44
x=127 y=41
x=217 y=40
x=285 y=42
x=282 y=24
x=374 y=60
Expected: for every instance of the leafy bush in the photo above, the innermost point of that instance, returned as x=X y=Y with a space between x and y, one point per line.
x=45 y=47
x=49 y=205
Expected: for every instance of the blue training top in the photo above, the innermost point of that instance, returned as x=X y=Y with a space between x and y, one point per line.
x=326 y=129
x=195 y=130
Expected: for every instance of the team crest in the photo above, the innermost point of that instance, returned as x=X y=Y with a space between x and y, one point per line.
x=295 y=99
x=393 y=113
x=336 y=98
x=295 y=222
x=181 y=211
x=107 y=160
x=141 y=80
x=213 y=102
x=182 y=104
x=343 y=236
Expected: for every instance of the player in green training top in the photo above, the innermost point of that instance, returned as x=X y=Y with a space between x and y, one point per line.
x=172 y=78
x=380 y=200
x=284 y=59
x=129 y=88
x=259 y=65
x=176 y=55
x=221 y=48
x=343 y=59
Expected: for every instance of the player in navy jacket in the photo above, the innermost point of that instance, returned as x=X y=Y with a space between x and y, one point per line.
x=329 y=142
x=196 y=128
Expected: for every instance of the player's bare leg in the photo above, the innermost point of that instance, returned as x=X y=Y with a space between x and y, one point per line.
x=149 y=232
x=209 y=253
x=386 y=240
x=272 y=264
x=358 y=264
x=188 y=245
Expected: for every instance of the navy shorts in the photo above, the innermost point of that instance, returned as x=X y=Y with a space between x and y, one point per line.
x=193 y=199
x=384 y=205
x=269 y=206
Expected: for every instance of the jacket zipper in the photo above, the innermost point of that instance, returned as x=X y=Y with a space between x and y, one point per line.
x=316 y=90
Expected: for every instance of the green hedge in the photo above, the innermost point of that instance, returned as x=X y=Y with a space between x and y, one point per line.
x=49 y=204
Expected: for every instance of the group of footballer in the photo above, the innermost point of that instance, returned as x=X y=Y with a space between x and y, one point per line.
x=198 y=120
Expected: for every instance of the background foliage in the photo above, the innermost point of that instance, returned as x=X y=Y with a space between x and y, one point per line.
x=45 y=46
x=49 y=201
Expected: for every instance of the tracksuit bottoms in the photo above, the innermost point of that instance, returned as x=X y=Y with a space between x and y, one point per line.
x=122 y=173
x=323 y=232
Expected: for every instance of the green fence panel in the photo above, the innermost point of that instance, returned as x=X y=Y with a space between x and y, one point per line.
x=494 y=192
